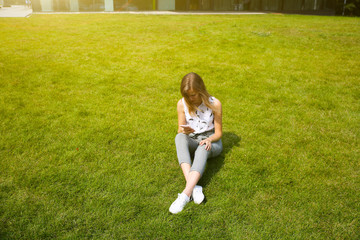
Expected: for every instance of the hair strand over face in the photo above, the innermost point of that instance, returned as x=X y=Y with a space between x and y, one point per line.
x=193 y=82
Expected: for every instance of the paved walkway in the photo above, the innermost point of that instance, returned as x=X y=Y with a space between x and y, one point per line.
x=23 y=11
x=15 y=11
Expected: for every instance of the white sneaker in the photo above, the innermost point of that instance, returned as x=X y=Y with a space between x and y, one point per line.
x=197 y=194
x=179 y=204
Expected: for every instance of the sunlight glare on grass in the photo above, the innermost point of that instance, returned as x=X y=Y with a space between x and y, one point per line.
x=88 y=120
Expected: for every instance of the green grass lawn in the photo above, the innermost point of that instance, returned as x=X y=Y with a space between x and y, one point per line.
x=88 y=120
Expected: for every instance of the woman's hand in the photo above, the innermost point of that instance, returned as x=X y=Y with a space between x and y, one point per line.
x=187 y=130
x=207 y=143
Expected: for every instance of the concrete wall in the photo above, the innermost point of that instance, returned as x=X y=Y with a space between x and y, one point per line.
x=109 y=5
x=74 y=5
x=46 y=5
x=168 y=5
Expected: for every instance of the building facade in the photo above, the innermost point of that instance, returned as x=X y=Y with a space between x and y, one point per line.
x=182 y=5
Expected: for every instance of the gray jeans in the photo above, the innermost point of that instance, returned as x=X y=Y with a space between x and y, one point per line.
x=188 y=146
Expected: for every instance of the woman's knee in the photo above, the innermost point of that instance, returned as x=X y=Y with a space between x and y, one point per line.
x=202 y=152
x=203 y=148
x=180 y=137
x=216 y=149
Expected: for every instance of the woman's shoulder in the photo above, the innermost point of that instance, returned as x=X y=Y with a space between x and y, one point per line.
x=216 y=103
x=180 y=102
x=180 y=105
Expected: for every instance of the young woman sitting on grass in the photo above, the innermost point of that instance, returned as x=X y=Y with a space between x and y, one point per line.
x=199 y=135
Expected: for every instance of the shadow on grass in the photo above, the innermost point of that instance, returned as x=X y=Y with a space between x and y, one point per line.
x=229 y=140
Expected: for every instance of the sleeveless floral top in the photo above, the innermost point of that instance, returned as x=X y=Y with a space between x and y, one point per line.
x=203 y=121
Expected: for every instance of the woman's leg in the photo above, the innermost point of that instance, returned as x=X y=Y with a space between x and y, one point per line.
x=192 y=179
x=192 y=172
x=216 y=149
x=184 y=147
x=200 y=157
x=185 y=167
x=198 y=167
x=196 y=170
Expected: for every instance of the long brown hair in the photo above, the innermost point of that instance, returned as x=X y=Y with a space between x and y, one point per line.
x=193 y=81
